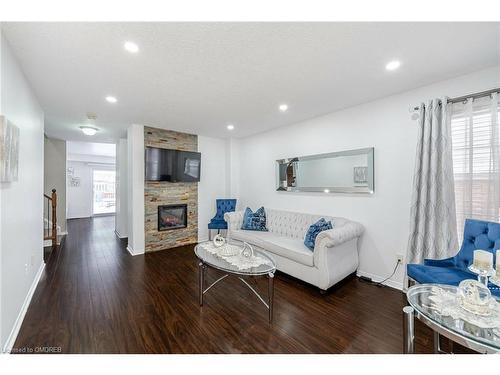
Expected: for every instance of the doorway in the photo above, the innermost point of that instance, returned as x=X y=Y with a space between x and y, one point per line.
x=103 y=191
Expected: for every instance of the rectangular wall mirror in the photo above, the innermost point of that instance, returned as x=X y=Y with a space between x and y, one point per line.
x=336 y=172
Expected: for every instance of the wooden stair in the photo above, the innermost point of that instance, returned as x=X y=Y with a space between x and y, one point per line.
x=50 y=229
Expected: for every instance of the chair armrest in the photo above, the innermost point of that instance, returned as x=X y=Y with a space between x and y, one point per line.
x=234 y=220
x=448 y=262
x=338 y=235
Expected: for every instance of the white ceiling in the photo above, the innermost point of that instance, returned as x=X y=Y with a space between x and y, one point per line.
x=198 y=77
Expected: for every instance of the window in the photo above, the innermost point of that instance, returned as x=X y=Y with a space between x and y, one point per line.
x=103 y=192
x=475 y=128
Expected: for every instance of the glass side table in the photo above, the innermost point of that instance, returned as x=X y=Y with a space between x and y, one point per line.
x=482 y=340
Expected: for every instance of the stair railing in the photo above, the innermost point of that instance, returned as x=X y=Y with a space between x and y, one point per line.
x=51 y=214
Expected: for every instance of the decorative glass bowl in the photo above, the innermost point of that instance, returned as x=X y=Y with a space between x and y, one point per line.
x=475 y=297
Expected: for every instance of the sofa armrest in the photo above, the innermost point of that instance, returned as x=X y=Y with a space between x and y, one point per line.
x=234 y=220
x=338 y=235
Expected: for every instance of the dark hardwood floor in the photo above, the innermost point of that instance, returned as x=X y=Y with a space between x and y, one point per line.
x=96 y=298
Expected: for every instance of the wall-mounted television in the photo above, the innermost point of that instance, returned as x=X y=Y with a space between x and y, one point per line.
x=172 y=165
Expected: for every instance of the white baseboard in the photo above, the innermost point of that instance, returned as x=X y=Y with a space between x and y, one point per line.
x=134 y=252
x=9 y=343
x=120 y=235
x=393 y=284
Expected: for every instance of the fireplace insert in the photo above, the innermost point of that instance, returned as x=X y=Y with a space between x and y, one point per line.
x=172 y=216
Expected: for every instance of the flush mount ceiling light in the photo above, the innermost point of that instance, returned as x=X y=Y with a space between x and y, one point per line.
x=230 y=127
x=283 y=107
x=393 y=65
x=131 y=47
x=111 y=99
x=88 y=130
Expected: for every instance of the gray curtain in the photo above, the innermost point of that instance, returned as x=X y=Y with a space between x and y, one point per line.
x=433 y=230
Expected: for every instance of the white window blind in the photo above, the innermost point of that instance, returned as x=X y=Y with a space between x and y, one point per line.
x=475 y=128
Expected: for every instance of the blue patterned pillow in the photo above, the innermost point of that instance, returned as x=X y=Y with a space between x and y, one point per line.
x=314 y=230
x=254 y=220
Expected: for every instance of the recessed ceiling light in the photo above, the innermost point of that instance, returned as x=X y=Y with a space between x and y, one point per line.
x=131 y=47
x=88 y=130
x=283 y=107
x=230 y=127
x=326 y=191
x=111 y=99
x=393 y=65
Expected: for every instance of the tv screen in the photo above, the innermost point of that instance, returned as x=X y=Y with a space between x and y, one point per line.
x=172 y=165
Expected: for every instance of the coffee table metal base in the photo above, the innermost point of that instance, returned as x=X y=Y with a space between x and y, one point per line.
x=270 y=295
x=409 y=314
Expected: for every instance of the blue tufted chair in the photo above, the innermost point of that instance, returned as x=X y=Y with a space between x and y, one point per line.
x=478 y=234
x=218 y=222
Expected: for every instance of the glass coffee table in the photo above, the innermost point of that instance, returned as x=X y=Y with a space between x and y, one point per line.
x=472 y=336
x=231 y=266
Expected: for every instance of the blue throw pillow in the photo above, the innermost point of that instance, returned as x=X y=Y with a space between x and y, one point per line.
x=314 y=230
x=254 y=220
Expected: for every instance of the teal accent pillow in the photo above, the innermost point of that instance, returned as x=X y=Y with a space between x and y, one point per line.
x=314 y=230
x=254 y=220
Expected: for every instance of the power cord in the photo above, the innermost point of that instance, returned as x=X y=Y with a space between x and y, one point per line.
x=380 y=284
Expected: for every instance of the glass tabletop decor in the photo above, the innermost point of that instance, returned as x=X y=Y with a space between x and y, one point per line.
x=230 y=258
x=452 y=311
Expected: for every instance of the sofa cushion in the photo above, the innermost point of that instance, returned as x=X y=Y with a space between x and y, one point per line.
x=443 y=275
x=252 y=237
x=290 y=248
x=254 y=220
x=314 y=230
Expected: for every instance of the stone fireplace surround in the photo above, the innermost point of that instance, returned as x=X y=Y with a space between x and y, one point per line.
x=159 y=193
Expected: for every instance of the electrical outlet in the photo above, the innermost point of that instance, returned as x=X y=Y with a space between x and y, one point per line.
x=26 y=268
x=399 y=257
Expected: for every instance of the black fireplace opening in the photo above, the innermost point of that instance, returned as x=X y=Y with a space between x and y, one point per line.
x=173 y=216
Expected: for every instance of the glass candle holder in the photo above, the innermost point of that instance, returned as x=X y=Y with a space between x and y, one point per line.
x=483 y=260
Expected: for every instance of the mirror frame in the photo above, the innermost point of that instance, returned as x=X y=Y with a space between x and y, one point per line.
x=370 y=189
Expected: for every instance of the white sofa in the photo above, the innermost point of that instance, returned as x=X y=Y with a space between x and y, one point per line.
x=335 y=254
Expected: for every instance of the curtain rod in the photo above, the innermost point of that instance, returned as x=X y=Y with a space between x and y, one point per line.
x=465 y=97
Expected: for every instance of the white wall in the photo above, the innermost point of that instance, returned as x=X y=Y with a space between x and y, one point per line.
x=121 y=217
x=135 y=189
x=21 y=220
x=384 y=124
x=55 y=177
x=212 y=183
x=79 y=198
x=233 y=169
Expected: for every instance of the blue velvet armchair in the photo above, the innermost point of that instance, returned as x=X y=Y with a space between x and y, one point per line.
x=218 y=222
x=478 y=234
